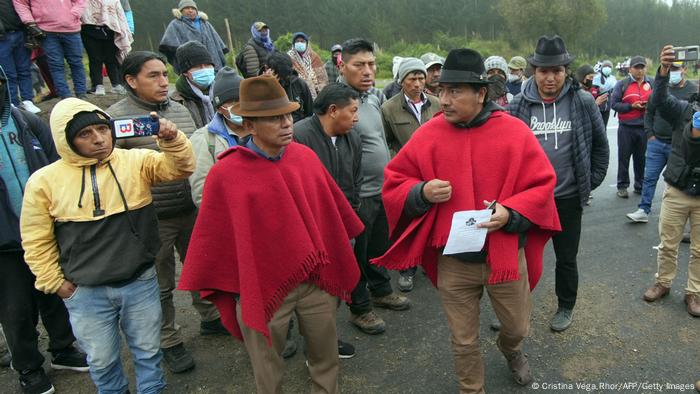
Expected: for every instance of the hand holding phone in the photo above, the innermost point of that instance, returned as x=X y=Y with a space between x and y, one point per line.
x=168 y=129
x=142 y=126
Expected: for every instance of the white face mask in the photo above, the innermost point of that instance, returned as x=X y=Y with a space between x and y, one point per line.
x=676 y=77
x=300 y=47
x=513 y=77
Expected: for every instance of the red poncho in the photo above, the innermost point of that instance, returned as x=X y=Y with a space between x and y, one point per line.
x=501 y=160
x=263 y=228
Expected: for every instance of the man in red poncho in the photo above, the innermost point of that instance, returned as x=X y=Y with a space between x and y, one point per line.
x=272 y=239
x=469 y=156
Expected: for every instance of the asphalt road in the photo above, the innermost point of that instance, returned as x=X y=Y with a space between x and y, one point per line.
x=618 y=343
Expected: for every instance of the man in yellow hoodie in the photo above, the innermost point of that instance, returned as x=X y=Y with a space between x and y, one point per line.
x=90 y=235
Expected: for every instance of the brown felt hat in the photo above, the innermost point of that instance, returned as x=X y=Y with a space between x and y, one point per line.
x=263 y=96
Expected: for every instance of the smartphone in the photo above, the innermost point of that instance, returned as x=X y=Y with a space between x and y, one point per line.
x=687 y=54
x=136 y=127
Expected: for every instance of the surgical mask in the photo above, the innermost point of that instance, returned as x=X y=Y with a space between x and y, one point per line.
x=233 y=118
x=676 y=77
x=300 y=47
x=606 y=71
x=497 y=87
x=203 y=77
x=513 y=78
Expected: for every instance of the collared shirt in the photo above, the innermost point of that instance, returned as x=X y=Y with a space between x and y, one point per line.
x=251 y=145
x=416 y=107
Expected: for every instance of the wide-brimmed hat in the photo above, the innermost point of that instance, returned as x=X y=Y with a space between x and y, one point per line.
x=550 y=52
x=464 y=66
x=263 y=96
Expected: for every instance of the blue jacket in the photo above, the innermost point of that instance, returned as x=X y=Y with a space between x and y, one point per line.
x=35 y=136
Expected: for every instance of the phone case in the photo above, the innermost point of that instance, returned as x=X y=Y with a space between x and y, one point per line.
x=135 y=127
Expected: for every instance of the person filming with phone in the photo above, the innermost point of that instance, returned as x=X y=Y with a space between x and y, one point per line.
x=90 y=234
x=681 y=200
x=629 y=100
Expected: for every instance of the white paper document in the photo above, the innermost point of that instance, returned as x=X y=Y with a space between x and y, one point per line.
x=465 y=236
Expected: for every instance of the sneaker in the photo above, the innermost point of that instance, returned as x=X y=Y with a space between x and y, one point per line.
x=638 y=216
x=406 y=282
x=622 y=193
x=178 y=359
x=369 y=323
x=345 y=350
x=35 y=382
x=118 y=89
x=71 y=359
x=393 y=301
x=562 y=319
x=28 y=105
x=99 y=90
x=213 y=327
x=5 y=359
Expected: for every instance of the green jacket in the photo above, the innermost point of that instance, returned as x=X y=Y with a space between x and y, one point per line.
x=400 y=122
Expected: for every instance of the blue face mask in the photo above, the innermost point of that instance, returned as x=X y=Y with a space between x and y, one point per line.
x=607 y=71
x=676 y=77
x=300 y=47
x=203 y=77
x=235 y=119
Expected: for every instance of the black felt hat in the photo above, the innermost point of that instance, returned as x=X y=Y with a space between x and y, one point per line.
x=550 y=52
x=464 y=66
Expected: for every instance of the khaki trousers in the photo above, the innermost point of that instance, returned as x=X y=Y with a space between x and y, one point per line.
x=461 y=286
x=676 y=208
x=175 y=234
x=315 y=310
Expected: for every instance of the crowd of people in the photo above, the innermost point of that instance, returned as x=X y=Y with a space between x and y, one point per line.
x=286 y=185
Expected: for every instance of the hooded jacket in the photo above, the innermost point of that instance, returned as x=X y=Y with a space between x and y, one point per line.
x=586 y=162
x=34 y=135
x=180 y=30
x=92 y=222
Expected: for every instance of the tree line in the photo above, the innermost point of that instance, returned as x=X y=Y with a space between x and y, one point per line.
x=591 y=28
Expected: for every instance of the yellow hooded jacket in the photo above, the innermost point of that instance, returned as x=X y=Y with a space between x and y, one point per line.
x=93 y=222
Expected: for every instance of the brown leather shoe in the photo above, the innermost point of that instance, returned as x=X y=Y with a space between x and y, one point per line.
x=693 y=302
x=656 y=292
x=519 y=367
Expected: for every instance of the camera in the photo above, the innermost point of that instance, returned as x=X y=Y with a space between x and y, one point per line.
x=687 y=54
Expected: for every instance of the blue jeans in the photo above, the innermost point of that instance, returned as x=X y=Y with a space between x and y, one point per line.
x=68 y=46
x=656 y=158
x=15 y=59
x=98 y=312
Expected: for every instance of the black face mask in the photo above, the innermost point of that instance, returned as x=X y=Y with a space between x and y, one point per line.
x=588 y=83
x=497 y=87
